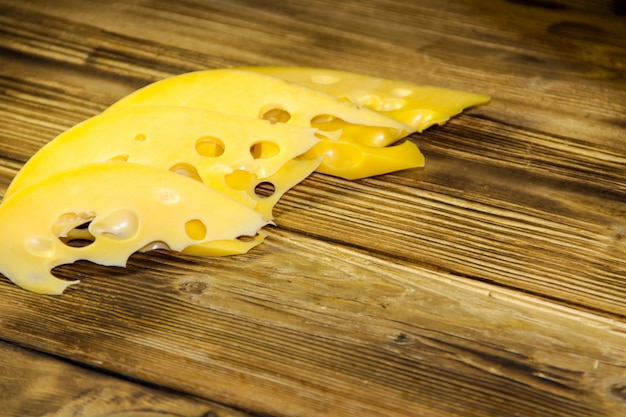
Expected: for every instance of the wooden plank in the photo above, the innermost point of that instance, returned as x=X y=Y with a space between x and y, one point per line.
x=535 y=66
x=478 y=221
x=304 y=327
x=33 y=384
x=488 y=283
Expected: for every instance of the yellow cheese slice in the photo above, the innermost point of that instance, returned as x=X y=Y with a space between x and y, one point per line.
x=226 y=247
x=202 y=144
x=418 y=106
x=366 y=161
x=255 y=95
x=127 y=207
x=251 y=94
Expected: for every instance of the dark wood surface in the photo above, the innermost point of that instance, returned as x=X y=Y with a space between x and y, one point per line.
x=492 y=282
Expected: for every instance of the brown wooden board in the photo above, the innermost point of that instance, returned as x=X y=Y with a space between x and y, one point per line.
x=34 y=384
x=491 y=282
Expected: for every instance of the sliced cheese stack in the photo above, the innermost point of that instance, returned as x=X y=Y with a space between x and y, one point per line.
x=353 y=138
x=196 y=162
x=214 y=148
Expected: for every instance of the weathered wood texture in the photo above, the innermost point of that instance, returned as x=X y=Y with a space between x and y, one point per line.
x=490 y=283
x=33 y=384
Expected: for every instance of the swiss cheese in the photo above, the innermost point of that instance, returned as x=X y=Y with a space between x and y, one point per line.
x=127 y=207
x=240 y=138
x=251 y=94
x=418 y=106
x=202 y=144
x=352 y=161
x=255 y=95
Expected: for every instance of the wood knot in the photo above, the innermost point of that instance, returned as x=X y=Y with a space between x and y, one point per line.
x=193 y=286
x=402 y=339
x=619 y=390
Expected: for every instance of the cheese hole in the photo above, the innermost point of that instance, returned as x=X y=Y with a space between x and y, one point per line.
x=140 y=138
x=78 y=237
x=157 y=244
x=378 y=136
x=40 y=246
x=239 y=179
x=186 y=170
x=168 y=196
x=274 y=114
x=264 y=189
x=373 y=101
x=120 y=224
x=73 y=226
x=264 y=149
x=321 y=119
x=119 y=158
x=195 y=229
x=210 y=146
x=329 y=123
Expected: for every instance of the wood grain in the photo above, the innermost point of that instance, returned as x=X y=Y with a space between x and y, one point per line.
x=333 y=331
x=489 y=283
x=34 y=384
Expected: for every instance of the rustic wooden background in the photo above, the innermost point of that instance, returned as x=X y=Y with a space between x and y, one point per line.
x=490 y=283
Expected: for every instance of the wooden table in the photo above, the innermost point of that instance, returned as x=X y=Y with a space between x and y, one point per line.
x=490 y=283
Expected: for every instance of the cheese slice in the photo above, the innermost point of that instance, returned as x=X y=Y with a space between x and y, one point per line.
x=195 y=142
x=225 y=247
x=366 y=161
x=418 y=106
x=270 y=191
x=267 y=192
x=255 y=95
x=126 y=206
x=251 y=94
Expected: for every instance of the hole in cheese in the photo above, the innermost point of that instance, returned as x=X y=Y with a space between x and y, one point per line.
x=78 y=237
x=77 y=243
x=120 y=224
x=71 y=222
x=156 y=245
x=167 y=196
x=239 y=179
x=322 y=121
x=274 y=113
x=210 y=146
x=265 y=189
x=186 y=170
x=140 y=138
x=40 y=246
x=195 y=229
x=264 y=149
